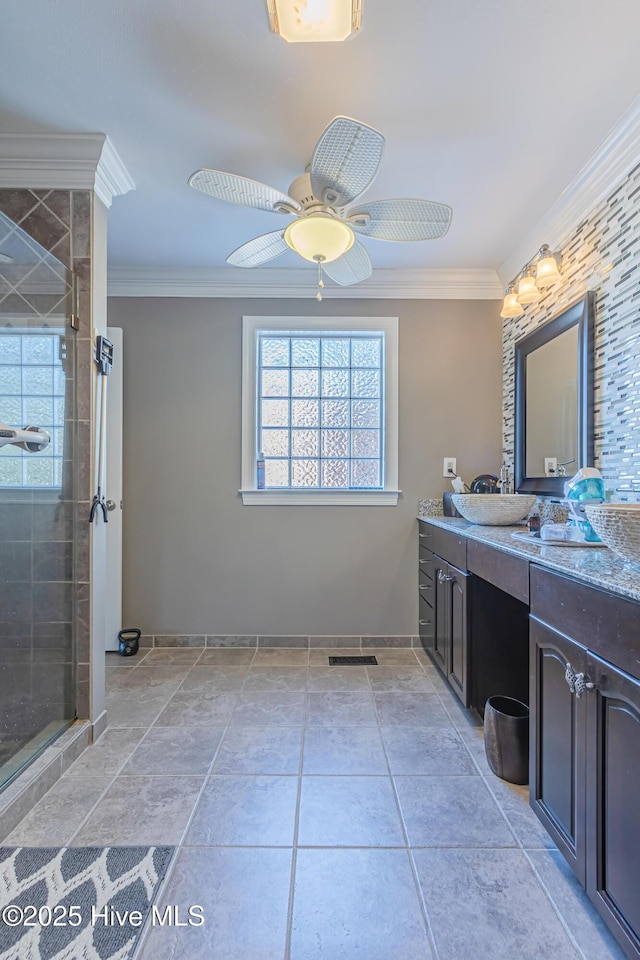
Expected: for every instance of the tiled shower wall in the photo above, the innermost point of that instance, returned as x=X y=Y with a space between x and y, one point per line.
x=60 y=220
x=603 y=255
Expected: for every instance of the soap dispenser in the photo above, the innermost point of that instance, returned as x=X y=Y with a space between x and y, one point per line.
x=505 y=483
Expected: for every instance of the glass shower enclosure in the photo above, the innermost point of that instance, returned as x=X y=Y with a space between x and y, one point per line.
x=37 y=499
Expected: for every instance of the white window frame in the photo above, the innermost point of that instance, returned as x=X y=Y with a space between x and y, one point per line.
x=251 y=496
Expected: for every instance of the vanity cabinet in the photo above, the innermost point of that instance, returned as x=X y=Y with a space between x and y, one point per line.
x=585 y=742
x=496 y=622
x=443 y=604
x=451 y=644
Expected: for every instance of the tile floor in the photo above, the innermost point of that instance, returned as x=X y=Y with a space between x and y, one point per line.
x=321 y=813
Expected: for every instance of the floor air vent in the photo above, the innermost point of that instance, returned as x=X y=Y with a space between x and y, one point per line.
x=355 y=661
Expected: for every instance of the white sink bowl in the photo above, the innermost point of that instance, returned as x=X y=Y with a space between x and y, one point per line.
x=493 y=509
x=617 y=525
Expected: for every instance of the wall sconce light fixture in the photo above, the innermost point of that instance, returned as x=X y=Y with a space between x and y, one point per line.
x=543 y=270
x=312 y=21
x=511 y=308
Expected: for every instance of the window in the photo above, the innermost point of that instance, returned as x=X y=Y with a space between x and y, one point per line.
x=320 y=403
x=32 y=392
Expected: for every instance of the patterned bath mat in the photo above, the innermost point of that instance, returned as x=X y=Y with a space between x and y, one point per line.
x=68 y=903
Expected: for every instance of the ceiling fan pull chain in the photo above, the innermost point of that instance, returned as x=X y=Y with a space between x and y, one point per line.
x=320 y=280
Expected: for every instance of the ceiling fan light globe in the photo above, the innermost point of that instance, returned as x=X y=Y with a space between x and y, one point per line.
x=319 y=238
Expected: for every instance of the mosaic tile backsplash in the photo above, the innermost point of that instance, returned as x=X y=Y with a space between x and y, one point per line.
x=603 y=255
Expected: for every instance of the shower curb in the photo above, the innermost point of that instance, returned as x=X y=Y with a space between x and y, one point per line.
x=37 y=779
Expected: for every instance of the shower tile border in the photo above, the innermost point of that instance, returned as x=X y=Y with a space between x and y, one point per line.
x=30 y=786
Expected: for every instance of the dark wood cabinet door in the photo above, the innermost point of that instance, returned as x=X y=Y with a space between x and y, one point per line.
x=442 y=639
x=458 y=665
x=558 y=738
x=613 y=804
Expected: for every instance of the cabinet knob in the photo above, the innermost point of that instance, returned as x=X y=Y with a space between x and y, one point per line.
x=424 y=623
x=426 y=586
x=425 y=561
x=576 y=682
x=425 y=536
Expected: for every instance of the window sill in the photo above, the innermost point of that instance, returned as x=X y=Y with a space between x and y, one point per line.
x=316 y=498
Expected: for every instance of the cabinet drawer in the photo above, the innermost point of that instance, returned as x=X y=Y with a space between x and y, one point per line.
x=427 y=620
x=503 y=570
x=450 y=547
x=425 y=565
x=607 y=624
x=425 y=534
x=427 y=588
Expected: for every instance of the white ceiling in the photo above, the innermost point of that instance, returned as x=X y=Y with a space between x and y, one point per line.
x=489 y=106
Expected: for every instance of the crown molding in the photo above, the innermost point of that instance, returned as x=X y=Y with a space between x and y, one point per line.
x=384 y=284
x=69 y=161
x=602 y=173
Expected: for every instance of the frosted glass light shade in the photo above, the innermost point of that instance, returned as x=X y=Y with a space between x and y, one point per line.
x=319 y=238
x=527 y=290
x=309 y=21
x=547 y=273
x=511 y=308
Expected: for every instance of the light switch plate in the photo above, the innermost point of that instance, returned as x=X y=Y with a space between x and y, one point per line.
x=449 y=467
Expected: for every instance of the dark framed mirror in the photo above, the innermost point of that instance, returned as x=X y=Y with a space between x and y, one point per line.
x=554 y=400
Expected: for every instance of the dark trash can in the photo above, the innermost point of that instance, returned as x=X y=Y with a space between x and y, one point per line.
x=506 y=738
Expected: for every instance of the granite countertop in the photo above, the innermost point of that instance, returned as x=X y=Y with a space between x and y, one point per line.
x=598 y=566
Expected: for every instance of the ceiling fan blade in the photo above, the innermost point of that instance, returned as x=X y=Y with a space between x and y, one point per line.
x=345 y=161
x=352 y=267
x=242 y=190
x=401 y=219
x=259 y=250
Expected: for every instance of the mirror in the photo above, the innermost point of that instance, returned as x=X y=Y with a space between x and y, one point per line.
x=554 y=401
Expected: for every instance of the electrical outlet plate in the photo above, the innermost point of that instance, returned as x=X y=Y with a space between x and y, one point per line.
x=551 y=466
x=449 y=467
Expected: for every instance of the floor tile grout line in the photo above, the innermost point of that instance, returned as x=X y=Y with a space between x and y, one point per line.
x=520 y=846
x=294 y=852
x=179 y=846
x=556 y=910
x=125 y=762
x=483 y=778
x=421 y=899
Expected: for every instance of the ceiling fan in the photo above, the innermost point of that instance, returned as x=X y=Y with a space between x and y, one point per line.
x=345 y=162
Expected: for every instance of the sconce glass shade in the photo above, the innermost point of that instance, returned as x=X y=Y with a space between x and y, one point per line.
x=319 y=238
x=547 y=273
x=309 y=21
x=511 y=308
x=527 y=290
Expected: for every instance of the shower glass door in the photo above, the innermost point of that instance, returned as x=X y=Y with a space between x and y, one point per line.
x=37 y=500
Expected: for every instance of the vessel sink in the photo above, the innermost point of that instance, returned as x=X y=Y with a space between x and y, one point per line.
x=617 y=525
x=493 y=509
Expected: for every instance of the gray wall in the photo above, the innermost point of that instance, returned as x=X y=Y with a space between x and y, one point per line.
x=197 y=561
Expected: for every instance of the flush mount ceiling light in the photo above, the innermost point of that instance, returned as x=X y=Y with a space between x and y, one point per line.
x=319 y=238
x=312 y=21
